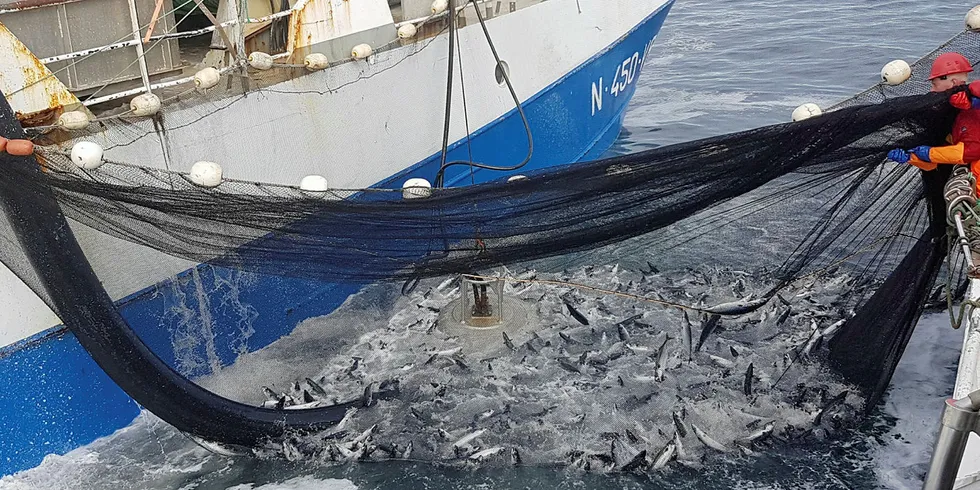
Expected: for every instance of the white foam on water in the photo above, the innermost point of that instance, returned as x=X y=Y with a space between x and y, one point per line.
x=145 y=454
x=301 y=483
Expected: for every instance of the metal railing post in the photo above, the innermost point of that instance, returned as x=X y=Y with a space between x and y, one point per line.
x=960 y=417
x=138 y=38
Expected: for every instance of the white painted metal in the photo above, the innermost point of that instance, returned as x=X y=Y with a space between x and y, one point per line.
x=967 y=381
x=344 y=18
x=23 y=312
x=140 y=55
x=303 y=126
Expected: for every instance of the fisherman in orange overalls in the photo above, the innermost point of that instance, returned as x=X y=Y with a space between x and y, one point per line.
x=948 y=71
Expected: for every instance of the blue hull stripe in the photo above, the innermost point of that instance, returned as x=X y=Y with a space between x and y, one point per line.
x=57 y=398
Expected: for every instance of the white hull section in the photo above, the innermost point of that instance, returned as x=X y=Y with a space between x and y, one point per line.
x=967 y=381
x=355 y=124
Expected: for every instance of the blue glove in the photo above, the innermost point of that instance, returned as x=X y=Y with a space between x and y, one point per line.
x=922 y=152
x=899 y=155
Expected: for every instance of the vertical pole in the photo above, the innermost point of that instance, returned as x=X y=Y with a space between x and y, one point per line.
x=240 y=34
x=960 y=417
x=141 y=56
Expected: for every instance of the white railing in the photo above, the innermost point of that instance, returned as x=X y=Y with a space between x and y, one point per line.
x=158 y=37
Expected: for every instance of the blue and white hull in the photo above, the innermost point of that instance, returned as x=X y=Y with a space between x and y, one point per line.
x=575 y=66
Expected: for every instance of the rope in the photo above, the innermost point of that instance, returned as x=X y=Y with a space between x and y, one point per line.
x=517 y=103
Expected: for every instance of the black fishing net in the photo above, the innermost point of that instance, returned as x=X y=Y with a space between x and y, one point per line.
x=827 y=201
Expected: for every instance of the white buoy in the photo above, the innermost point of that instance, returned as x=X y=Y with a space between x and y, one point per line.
x=361 y=51
x=416 y=189
x=87 y=155
x=314 y=183
x=806 y=111
x=73 y=120
x=512 y=178
x=316 y=61
x=407 y=31
x=439 y=6
x=260 y=60
x=207 y=78
x=145 y=104
x=205 y=174
x=973 y=19
x=895 y=72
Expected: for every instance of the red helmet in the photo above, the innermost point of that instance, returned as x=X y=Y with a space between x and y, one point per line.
x=948 y=64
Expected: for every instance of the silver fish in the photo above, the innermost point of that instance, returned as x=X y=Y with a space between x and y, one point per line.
x=688 y=339
x=366 y=434
x=739 y=307
x=447 y=283
x=679 y=445
x=833 y=328
x=570 y=366
x=721 y=361
x=747 y=383
x=304 y=406
x=624 y=335
x=345 y=453
x=709 y=326
x=653 y=269
x=367 y=398
x=486 y=453
x=344 y=422
x=316 y=388
x=468 y=438
x=567 y=338
x=639 y=460
x=579 y=317
x=679 y=424
x=760 y=434
x=811 y=344
x=508 y=342
x=708 y=441
x=270 y=394
x=784 y=315
x=660 y=365
x=666 y=454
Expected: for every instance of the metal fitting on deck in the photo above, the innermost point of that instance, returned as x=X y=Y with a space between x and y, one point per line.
x=960 y=418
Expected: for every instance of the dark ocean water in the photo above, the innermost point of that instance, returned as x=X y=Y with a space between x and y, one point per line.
x=716 y=67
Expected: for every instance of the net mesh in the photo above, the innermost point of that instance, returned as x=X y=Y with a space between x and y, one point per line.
x=827 y=203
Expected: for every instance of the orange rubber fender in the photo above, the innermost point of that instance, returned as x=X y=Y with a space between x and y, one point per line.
x=21 y=148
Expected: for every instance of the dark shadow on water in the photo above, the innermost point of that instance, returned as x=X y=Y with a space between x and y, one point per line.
x=632 y=140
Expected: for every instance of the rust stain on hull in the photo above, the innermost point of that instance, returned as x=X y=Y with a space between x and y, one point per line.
x=50 y=93
x=47 y=117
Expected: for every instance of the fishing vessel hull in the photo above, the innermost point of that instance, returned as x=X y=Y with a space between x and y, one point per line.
x=198 y=318
x=968 y=381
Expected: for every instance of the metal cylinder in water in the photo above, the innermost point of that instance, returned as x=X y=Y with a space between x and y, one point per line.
x=483 y=300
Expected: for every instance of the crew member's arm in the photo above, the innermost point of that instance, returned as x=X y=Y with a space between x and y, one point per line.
x=927 y=157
